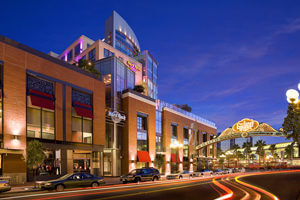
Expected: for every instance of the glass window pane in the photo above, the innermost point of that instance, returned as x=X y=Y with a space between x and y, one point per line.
x=76 y=129
x=87 y=138
x=48 y=125
x=33 y=122
x=87 y=126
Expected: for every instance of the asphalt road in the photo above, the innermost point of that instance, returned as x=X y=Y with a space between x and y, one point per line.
x=265 y=186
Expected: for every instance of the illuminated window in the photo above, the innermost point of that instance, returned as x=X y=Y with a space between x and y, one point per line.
x=92 y=55
x=82 y=117
x=142 y=133
x=40 y=109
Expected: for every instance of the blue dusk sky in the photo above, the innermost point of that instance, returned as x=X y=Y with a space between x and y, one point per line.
x=228 y=60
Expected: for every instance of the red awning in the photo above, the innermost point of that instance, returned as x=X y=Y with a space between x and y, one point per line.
x=42 y=102
x=173 y=158
x=143 y=156
x=83 y=112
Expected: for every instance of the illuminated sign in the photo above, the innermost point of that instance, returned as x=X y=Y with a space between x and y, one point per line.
x=116 y=117
x=133 y=66
x=245 y=125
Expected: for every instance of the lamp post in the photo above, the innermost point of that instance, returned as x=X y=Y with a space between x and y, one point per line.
x=293 y=99
x=176 y=145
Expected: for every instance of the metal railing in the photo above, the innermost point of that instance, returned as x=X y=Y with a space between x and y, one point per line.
x=161 y=104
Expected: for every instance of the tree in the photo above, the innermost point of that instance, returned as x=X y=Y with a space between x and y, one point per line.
x=289 y=151
x=35 y=155
x=252 y=157
x=184 y=107
x=159 y=161
x=235 y=148
x=272 y=149
x=260 y=149
x=88 y=67
x=247 y=150
x=139 y=88
x=291 y=126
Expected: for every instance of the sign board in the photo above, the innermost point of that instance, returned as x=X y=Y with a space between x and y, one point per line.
x=133 y=66
x=116 y=117
x=245 y=125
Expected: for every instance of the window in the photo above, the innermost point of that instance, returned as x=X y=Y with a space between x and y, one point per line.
x=142 y=133
x=141 y=123
x=63 y=58
x=204 y=137
x=120 y=77
x=130 y=79
x=173 y=133
x=185 y=136
x=92 y=55
x=70 y=55
x=1 y=93
x=107 y=53
x=40 y=109
x=77 y=50
x=82 y=117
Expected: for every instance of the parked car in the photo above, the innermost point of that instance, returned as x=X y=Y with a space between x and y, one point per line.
x=204 y=172
x=179 y=175
x=143 y=174
x=219 y=172
x=4 y=186
x=72 y=181
x=228 y=171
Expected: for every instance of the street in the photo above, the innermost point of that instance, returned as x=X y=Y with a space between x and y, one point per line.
x=261 y=185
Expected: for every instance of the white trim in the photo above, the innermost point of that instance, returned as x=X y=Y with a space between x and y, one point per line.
x=190 y=118
x=128 y=94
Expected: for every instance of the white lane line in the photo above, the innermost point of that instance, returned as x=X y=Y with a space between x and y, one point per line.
x=106 y=188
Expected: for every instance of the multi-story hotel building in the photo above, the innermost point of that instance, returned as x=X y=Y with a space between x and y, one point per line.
x=89 y=123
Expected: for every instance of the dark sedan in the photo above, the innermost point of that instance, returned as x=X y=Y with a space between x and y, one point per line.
x=72 y=181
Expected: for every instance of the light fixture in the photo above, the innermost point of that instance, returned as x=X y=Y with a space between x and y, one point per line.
x=292 y=95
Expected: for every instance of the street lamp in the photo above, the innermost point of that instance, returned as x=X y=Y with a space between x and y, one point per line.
x=176 y=145
x=293 y=98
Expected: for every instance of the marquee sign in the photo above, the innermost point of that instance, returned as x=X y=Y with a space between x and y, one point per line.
x=133 y=66
x=245 y=125
x=116 y=117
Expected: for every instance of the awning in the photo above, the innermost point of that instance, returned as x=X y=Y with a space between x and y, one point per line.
x=11 y=151
x=41 y=99
x=143 y=156
x=83 y=109
x=173 y=158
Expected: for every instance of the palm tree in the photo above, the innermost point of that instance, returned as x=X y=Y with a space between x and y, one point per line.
x=252 y=157
x=235 y=148
x=260 y=149
x=272 y=149
x=247 y=150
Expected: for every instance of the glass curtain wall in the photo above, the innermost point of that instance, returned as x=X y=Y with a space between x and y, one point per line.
x=159 y=136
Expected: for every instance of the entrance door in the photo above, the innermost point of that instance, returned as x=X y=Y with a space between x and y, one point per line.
x=107 y=162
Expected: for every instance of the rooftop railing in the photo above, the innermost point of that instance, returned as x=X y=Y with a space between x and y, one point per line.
x=161 y=104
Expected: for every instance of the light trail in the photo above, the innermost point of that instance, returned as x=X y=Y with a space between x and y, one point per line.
x=229 y=192
x=111 y=189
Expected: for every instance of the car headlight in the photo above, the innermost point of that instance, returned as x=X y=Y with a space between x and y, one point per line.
x=48 y=184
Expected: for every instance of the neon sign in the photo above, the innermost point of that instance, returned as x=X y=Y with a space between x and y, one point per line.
x=133 y=66
x=245 y=125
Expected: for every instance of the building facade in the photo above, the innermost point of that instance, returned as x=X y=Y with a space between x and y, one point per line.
x=89 y=123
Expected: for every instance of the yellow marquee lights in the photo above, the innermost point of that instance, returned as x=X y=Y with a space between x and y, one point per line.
x=245 y=125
